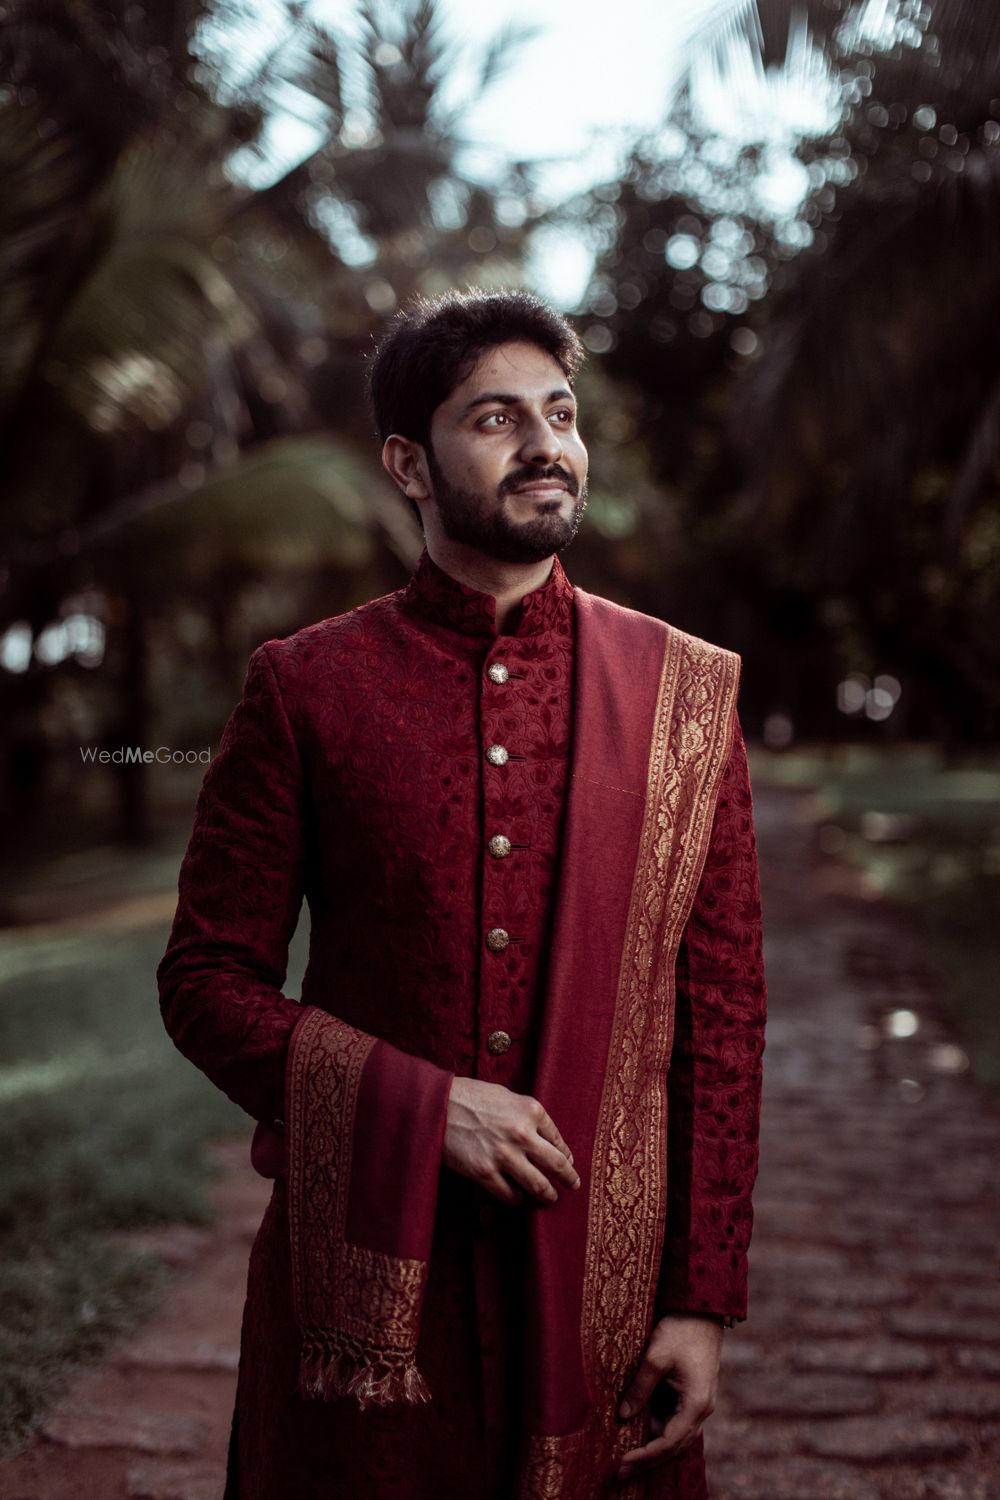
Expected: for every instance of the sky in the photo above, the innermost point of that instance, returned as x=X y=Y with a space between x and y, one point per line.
x=593 y=76
x=597 y=65
x=576 y=87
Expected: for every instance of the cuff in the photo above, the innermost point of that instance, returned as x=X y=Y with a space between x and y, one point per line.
x=725 y=1320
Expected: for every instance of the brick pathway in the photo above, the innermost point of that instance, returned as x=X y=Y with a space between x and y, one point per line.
x=868 y=1368
x=151 y=1422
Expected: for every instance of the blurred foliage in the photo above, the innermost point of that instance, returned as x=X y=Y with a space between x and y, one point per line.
x=793 y=413
x=180 y=392
x=822 y=387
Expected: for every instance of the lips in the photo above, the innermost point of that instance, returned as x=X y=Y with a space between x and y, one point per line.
x=542 y=487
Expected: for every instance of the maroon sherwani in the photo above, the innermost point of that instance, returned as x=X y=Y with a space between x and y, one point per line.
x=406 y=768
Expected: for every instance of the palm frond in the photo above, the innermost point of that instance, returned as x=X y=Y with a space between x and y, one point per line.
x=981 y=450
x=889 y=337
x=284 y=504
x=41 y=175
x=131 y=347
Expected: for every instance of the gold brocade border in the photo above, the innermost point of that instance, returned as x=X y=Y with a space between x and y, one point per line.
x=552 y=1466
x=326 y=1058
x=691 y=739
x=346 y=1296
x=564 y=1468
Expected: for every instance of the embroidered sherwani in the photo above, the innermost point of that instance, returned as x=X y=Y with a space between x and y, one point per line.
x=485 y=830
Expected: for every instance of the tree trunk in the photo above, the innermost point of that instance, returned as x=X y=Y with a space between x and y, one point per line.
x=133 y=718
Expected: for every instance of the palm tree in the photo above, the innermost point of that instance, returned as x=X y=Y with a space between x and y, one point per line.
x=909 y=267
x=843 y=476
x=179 y=377
x=875 y=405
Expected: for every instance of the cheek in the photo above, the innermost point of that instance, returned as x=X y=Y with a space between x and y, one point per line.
x=466 y=469
x=578 y=452
x=486 y=470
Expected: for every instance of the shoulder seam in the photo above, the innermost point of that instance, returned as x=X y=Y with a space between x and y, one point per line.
x=265 y=655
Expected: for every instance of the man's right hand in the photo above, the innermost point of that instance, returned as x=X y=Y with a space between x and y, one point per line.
x=505 y=1142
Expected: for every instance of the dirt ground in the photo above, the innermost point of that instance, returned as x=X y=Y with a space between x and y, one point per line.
x=868 y=1367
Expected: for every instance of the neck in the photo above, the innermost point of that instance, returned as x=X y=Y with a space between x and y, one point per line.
x=507 y=582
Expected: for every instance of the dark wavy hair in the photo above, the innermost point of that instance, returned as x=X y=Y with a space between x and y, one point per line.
x=433 y=345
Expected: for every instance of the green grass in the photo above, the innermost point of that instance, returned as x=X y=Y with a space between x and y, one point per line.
x=102 y=1127
x=945 y=861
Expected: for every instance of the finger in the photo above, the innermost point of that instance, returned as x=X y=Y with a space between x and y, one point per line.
x=552 y=1163
x=500 y=1188
x=640 y=1388
x=687 y=1421
x=546 y=1128
x=513 y=1163
x=639 y=1460
x=678 y=1434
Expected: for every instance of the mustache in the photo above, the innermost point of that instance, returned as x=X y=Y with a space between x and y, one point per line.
x=532 y=473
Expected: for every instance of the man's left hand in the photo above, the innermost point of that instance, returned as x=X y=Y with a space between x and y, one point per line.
x=684 y=1351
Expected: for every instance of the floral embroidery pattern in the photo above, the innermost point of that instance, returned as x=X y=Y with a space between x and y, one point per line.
x=351 y=773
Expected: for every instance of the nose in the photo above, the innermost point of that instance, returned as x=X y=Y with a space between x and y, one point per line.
x=541 y=444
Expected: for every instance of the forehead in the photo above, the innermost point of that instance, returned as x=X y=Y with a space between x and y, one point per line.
x=516 y=369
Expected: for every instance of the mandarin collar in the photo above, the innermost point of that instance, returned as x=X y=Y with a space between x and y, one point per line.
x=440 y=598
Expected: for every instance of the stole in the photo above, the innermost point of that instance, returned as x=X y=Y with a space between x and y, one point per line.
x=653 y=718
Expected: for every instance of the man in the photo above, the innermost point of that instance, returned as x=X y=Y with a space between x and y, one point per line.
x=521 y=818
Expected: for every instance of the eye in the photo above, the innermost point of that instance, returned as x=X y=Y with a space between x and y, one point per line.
x=567 y=416
x=499 y=417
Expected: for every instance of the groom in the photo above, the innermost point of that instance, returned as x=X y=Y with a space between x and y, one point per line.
x=513 y=1121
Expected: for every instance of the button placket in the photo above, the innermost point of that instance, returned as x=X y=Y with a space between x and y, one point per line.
x=523 y=707
x=494 y=727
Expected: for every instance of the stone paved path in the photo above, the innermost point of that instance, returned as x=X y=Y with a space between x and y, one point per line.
x=151 y=1422
x=870 y=1366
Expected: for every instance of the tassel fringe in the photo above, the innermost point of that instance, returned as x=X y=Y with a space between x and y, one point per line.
x=328 y=1370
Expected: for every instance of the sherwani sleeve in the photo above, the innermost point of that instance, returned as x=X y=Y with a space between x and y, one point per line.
x=715 y=1073
x=240 y=891
x=361 y=1123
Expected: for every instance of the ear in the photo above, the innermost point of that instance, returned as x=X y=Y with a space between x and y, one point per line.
x=406 y=462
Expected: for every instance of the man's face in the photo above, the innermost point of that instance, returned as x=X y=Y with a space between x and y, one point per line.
x=508 y=468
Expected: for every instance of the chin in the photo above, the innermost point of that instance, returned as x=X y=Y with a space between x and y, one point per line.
x=534 y=540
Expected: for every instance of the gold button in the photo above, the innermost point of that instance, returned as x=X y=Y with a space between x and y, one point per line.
x=497 y=939
x=499 y=1042
x=497 y=672
x=499 y=846
x=496 y=755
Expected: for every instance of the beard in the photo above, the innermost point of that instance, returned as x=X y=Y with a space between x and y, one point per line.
x=468 y=518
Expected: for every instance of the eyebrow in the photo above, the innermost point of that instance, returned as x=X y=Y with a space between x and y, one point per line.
x=505 y=398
